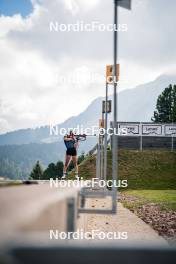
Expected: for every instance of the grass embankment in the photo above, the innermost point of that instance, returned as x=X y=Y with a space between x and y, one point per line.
x=165 y=198
x=151 y=170
x=151 y=175
x=5 y=183
x=87 y=168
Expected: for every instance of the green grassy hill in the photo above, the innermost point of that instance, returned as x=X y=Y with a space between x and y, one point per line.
x=143 y=170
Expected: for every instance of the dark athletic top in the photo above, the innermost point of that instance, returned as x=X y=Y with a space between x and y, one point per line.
x=70 y=144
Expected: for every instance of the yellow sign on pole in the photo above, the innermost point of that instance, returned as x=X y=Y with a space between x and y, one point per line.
x=101 y=123
x=110 y=73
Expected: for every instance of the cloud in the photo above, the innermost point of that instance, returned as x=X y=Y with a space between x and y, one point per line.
x=37 y=65
x=150 y=39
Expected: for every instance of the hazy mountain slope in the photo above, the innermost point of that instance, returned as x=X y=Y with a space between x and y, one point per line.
x=138 y=104
x=135 y=104
x=17 y=161
x=42 y=135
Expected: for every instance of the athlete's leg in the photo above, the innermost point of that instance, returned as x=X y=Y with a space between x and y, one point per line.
x=75 y=162
x=67 y=162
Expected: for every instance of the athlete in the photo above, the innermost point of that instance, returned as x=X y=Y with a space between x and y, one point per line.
x=71 y=144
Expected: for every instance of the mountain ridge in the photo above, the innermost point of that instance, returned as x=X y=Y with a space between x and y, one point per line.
x=136 y=104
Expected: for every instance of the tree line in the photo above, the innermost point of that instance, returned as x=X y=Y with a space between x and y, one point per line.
x=54 y=170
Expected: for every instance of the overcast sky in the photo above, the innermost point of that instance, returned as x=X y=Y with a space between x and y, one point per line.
x=46 y=77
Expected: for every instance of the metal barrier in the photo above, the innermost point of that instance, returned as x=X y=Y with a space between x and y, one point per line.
x=37 y=208
x=89 y=253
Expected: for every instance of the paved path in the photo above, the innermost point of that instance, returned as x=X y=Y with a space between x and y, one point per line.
x=123 y=221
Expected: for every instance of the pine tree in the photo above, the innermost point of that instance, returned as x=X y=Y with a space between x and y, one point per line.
x=166 y=106
x=50 y=172
x=37 y=172
x=53 y=171
x=59 y=169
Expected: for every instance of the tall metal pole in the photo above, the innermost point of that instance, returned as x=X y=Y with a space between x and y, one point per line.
x=114 y=137
x=98 y=161
x=102 y=151
x=106 y=135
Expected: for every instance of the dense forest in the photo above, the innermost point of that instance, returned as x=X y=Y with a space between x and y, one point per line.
x=16 y=162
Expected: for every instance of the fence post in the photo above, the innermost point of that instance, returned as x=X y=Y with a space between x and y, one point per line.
x=70 y=214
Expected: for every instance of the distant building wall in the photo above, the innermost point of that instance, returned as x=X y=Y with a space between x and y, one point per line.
x=146 y=135
x=147 y=142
